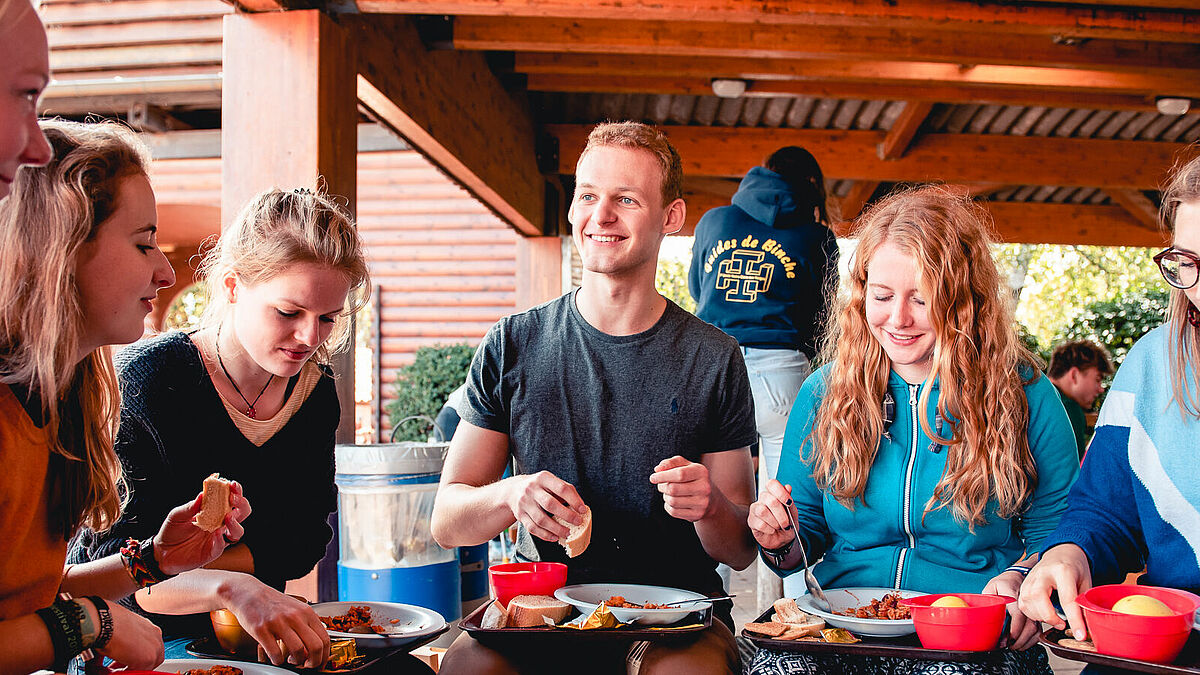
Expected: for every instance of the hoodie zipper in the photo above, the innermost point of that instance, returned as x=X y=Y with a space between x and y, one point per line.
x=913 y=390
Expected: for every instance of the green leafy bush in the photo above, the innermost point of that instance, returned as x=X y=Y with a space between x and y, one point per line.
x=671 y=280
x=1117 y=324
x=422 y=387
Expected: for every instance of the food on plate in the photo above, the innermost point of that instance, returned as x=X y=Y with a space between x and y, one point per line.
x=580 y=535
x=949 y=601
x=1141 y=605
x=1085 y=645
x=887 y=607
x=218 y=669
x=214 y=505
x=620 y=602
x=357 y=619
x=495 y=616
x=536 y=610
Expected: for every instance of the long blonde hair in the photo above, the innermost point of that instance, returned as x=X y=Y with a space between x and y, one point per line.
x=277 y=230
x=1184 y=344
x=980 y=364
x=51 y=213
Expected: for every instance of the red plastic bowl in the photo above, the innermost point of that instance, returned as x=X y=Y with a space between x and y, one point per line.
x=974 y=628
x=537 y=578
x=1157 y=639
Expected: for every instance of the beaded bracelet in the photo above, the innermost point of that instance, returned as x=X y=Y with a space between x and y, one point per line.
x=63 y=621
x=106 y=622
x=1020 y=569
x=138 y=558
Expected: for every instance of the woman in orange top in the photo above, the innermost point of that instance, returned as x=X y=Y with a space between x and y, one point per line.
x=79 y=265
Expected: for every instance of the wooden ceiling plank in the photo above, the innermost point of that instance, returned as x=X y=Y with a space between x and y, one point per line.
x=942 y=93
x=115 y=58
x=120 y=11
x=1090 y=22
x=207 y=29
x=1069 y=224
x=451 y=107
x=713 y=39
x=958 y=158
x=1144 y=211
x=1182 y=83
x=902 y=133
x=854 y=201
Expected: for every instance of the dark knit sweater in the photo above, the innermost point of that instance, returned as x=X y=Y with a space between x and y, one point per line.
x=174 y=432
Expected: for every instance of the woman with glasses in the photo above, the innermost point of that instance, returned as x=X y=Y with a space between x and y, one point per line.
x=929 y=454
x=1135 y=504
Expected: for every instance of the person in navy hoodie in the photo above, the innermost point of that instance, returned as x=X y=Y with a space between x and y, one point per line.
x=761 y=271
x=1135 y=504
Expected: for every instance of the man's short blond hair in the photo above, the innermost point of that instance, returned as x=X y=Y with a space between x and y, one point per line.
x=643 y=137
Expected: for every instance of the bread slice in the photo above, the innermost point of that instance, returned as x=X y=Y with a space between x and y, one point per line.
x=533 y=610
x=768 y=628
x=580 y=536
x=495 y=616
x=788 y=612
x=799 y=624
x=214 y=505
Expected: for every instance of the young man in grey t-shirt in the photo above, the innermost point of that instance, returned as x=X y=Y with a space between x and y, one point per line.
x=612 y=397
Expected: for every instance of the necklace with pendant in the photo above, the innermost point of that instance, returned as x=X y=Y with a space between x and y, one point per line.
x=250 y=412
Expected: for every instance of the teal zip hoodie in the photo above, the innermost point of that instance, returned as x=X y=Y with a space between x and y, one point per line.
x=890 y=541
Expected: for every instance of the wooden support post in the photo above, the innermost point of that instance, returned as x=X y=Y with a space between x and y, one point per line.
x=539 y=271
x=288 y=119
x=1138 y=205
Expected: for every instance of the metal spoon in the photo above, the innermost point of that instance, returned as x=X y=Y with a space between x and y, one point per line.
x=685 y=602
x=814 y=589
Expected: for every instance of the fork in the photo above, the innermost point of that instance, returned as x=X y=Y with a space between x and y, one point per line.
x=814 y=589
x=686 y=602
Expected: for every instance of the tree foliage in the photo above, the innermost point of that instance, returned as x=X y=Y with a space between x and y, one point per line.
x=1119 y=323
x=422 y=387
x=672 y=280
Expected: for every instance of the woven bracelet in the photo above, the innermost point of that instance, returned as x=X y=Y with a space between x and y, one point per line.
x=1024 y=571
x=138 y=558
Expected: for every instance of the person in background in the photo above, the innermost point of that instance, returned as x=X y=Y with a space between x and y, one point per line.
x=1078 y=369
x=249 y=395
x=929 y=453
x=24 y=74
x=1136 y=500
x=79 y=267
x=613 y=398
x=762 y=271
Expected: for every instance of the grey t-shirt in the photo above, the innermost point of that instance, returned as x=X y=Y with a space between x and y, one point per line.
x=600 y=411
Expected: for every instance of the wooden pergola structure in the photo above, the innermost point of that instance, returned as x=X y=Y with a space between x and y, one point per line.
x=1044 y=110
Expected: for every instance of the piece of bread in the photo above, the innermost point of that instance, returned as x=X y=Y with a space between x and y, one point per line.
x=788 y=612
x=768 y=628
x=495 y=616
x=214 y=505
x=799 y=624
x=533 y=610
x=580 y=536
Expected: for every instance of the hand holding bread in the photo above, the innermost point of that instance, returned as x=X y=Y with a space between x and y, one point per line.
x=546 y=505
x=183 y=543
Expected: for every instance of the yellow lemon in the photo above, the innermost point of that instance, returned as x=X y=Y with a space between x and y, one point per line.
x=1142 y=605
x=949 y=601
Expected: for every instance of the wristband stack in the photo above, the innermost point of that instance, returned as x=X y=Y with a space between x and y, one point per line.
x=138 y=558
x=64 y=622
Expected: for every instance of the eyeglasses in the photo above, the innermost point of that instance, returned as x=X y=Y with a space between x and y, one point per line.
x=1180 y=269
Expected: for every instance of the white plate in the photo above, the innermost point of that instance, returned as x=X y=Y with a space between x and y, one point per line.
x=412 y=622
x=586 y=597
x=841 y=599
x=181 y=665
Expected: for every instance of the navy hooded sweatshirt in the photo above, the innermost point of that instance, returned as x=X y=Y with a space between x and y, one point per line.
x=761 y=268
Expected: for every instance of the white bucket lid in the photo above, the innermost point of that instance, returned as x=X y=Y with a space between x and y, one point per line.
x=408 y=457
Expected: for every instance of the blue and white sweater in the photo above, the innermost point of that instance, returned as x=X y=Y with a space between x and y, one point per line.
x=1136 y=499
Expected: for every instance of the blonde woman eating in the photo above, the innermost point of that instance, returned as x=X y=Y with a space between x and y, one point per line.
x=929 y=453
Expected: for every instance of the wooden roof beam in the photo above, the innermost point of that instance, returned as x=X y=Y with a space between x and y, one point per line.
x=1182 y=83
x=1138 y=205
x=989 y=17
x=960 y=158
x=936 y=93
x=452 y=109
x=860 y=193
x=904 y=130
x=772 y=40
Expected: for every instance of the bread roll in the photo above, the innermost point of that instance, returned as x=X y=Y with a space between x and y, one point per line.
x=532 y=610
x=494 y=616
x=580 y=536
x=214 y=504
